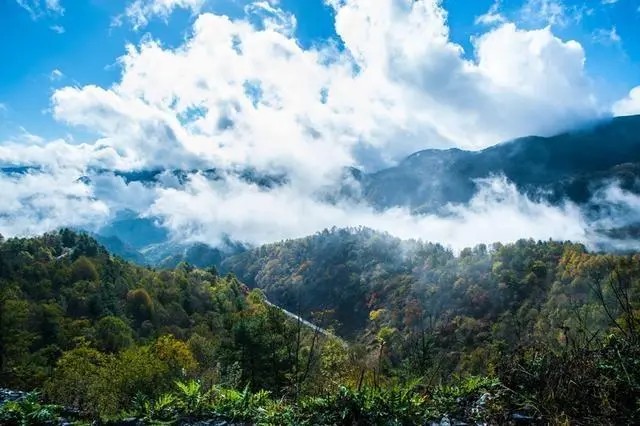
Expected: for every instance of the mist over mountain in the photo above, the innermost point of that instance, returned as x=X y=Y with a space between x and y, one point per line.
x=582 y=185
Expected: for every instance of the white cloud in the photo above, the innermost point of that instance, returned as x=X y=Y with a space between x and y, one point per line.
x=468 y=104
x=31 y=150
x=244 y=94
x=29 y=137
x=59 y=29
x=497 y=212
x=629 y=105
x=140 y=12
x=549 y=68
x=37 y=202
x=272 y=17
x=141 y=135
x=40 y=8
x=54 y=6
x=553 y=13
x=545 y=12
x=56 y=74
x=493 y=15
x=413 y=88
x=607 y=37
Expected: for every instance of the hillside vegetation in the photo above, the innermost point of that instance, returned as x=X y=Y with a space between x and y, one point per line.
x=534 y=332
x=425 y=311
x=94 y=332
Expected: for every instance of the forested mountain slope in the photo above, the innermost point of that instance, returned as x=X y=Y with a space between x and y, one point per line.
x=486 y=298
x=534 y=332
x=94 y=330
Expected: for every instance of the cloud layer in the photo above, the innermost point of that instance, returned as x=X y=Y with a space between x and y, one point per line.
x=399 y=85
x=497 y=213
x=243 y=94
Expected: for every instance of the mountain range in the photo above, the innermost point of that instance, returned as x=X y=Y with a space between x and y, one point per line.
x=570 y=166
x=574 y=167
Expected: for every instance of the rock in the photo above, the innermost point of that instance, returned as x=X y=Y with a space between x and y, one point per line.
x=218 y=423
x=131 y=421
x=7 y=395
x=210 y=422
x=522 y=419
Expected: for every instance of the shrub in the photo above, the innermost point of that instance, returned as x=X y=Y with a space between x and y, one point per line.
x=28 y=411
x=83 y=269
x=113 y=334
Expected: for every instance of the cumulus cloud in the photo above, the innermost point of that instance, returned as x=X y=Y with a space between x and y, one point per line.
x=244 y=94
x=629 y=105
x=401 y=85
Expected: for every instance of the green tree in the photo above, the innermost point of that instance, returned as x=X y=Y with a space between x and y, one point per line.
x=140 y=305
x=15 y=337
x=83 y=379
x=83 y=269
x=113 y=334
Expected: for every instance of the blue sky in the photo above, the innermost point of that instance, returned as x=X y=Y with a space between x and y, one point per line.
x=84 y=46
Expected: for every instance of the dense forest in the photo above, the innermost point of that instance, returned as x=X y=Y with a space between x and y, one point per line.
x=439 y=315
x=531 y=332
x=481 y=299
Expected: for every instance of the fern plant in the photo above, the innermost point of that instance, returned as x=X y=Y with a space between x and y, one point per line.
x=162 y=410
x=191 y=398
x=28 y=411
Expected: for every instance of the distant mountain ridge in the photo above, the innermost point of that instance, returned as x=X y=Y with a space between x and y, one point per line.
x=571 y=165
x=145 y=242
